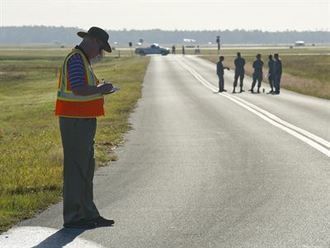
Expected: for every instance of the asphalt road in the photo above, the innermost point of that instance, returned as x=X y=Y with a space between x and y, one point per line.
x=203 y=169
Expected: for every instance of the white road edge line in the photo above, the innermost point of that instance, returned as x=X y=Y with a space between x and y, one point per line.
x=277 y=119
x=309 y=138
x=38 y=236
x=287 y=124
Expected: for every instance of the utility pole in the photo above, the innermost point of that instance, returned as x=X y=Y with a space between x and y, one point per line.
x=218 y=42
x=130 y=47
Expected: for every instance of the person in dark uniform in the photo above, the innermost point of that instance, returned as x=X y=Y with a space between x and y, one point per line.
x=173 y=49
x=220 y=72
x=183 y=51
x=277 y=73
x=239 y=71
x=257 y=74
x=271 y=73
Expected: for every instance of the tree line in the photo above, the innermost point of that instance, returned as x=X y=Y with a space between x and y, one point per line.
x=67 y=35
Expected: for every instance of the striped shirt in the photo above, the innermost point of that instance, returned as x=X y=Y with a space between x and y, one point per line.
x=76 y=71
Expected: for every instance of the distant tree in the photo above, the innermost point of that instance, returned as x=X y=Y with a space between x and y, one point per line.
x=63 y=35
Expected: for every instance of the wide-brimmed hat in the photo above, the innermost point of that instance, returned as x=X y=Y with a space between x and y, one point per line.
x=99 y=34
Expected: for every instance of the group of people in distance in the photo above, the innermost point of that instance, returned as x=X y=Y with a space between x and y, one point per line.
x=274 y=73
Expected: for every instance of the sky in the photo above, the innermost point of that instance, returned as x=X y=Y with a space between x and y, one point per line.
x=266 y=15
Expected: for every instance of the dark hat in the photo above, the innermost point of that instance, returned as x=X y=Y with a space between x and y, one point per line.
x=99 y=34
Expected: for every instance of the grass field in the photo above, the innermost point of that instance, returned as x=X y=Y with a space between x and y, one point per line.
x=305 y=70
x=30 y=148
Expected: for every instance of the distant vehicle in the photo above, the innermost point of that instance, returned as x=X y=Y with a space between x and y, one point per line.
x=153 y=49
x=188 y=40
x=299 y=43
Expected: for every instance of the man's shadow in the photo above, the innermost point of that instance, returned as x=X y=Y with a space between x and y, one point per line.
x=60 y=238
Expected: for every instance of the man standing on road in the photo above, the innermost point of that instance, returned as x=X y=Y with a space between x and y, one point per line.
x=257 y=74
x=220 y=72
x=271 y=73
x=277 y=73
x=239 y=71
x=173 y=49
x=79 y=102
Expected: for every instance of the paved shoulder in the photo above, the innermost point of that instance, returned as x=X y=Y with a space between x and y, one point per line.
x=44 y=237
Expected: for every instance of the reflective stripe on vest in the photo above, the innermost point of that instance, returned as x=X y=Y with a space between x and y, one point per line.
x=70 y=105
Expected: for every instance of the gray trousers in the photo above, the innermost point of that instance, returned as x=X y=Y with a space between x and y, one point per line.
x=256 y=77
x=271 y=81
x=221 y=82
x=79 y=164
x=277 y=82
x=240 y=75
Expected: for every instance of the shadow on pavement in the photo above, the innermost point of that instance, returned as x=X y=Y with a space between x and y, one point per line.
x=60 y=238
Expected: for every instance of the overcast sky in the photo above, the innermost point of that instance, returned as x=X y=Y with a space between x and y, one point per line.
x=271 y=15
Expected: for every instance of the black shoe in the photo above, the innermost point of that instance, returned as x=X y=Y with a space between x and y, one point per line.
x=270 y=92
x=102 y=222
x=90 y=224
x=251 y=90
x=241 y=91
x=82 y=224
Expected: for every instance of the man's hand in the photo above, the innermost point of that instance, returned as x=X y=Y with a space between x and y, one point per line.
x=106 y=88
x=87 y=90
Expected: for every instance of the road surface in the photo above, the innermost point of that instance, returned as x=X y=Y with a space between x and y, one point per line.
x=203 y=169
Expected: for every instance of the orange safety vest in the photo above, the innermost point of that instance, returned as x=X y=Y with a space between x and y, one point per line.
x=70 y=105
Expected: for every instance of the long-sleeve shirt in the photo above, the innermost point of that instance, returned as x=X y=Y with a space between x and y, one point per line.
x=271 y=67
x=278 y=67
x=257 y=65
x=239 y=64
x=220 y=68
x=76 y=71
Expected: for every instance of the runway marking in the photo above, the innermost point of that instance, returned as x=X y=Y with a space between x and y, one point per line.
x=309 y=138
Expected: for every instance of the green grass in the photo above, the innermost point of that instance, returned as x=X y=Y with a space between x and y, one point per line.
x=305 y=70
x=30 y=146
